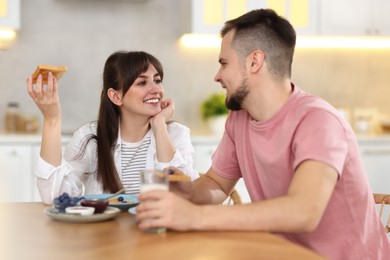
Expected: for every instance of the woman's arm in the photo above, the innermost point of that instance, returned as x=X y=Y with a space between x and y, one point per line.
x=46 y=98
x=164 y=147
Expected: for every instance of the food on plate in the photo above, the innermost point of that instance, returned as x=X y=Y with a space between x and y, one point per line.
x=178 y=177
x=44 y=70
x=100 y=205
x=119 y=199
x=64 y=200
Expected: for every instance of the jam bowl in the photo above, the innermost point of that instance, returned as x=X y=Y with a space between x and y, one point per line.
x=99 y=204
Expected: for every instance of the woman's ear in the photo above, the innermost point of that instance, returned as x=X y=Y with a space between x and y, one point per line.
x=114 y=96
x=256 y=60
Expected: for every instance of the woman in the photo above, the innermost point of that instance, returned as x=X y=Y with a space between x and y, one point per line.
x=131 y=132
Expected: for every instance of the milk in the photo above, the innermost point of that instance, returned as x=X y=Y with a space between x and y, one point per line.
x=153 y=186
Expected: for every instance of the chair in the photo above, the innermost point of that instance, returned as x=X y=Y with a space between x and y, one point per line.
x=234 y=198
x=382 y=200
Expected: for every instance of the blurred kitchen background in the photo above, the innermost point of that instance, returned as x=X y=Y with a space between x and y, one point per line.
x=81 y=34
x=342 y=55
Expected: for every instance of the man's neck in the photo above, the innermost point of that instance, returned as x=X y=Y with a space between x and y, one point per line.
x=264 y=102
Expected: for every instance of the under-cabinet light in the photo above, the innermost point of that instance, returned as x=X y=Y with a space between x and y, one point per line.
x=195 y=40
x=343 y=42
x=315 y=42
x=7 y=36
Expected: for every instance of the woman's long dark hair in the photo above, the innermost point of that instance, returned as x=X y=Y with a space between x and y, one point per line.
x=120 y=71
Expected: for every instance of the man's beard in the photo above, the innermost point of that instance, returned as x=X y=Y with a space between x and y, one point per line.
x=235 y=101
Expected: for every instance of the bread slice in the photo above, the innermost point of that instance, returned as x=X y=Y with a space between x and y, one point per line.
x=179 y=177
x=43 y=69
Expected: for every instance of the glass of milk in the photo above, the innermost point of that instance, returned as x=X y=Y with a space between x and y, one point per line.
x=152 y=179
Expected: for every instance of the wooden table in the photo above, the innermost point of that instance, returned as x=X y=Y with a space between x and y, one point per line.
x=27 y=233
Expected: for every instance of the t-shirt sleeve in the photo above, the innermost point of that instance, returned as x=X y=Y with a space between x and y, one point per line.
x=321 y=136
x=224 y=159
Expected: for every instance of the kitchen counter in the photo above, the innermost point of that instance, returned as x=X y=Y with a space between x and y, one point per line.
x=26 y=138
x=36 y=138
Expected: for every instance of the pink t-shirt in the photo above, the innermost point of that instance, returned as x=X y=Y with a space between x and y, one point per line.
x=265 y=154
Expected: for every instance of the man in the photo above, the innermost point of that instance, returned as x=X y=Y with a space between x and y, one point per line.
x=300 y=161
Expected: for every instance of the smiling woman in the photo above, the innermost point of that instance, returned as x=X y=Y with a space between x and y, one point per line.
x=130 y=134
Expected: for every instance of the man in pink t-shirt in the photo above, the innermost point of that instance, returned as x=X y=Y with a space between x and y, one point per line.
x=300 y=161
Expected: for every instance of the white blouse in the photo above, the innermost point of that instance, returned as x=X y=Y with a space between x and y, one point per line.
x=78 y=176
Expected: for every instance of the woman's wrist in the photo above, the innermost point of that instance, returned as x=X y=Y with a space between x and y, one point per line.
x=53 y=121
x=158 y=123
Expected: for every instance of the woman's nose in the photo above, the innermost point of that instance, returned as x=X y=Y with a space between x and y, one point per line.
x=156 y=88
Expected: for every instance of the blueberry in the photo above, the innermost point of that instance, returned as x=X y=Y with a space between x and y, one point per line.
x=120 y=198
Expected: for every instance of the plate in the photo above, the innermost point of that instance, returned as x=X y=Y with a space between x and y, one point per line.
x=110 y=213
x=131 y=200
x=132 y=211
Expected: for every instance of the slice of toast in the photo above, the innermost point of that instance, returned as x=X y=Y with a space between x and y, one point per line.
x=43 y=69
x=179 y=177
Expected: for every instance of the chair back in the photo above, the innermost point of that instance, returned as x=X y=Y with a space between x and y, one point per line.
x=382 y=200
x=234 y=198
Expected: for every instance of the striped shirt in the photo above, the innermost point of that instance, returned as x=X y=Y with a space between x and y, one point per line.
x=133 y=162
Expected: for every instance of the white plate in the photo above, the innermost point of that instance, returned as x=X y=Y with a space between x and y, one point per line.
x=110 y=213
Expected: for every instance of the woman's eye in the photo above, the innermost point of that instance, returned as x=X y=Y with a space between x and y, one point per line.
x=158 y=81
x=141 y=83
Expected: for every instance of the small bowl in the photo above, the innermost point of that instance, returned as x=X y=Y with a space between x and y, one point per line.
x=99 y=205
x=83 y=211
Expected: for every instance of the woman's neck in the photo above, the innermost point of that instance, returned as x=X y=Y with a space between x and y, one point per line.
x=133 y=130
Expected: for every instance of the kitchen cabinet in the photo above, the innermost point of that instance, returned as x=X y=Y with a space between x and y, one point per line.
x=18 y=156
x=15 y=173
x=375 y=154
x=208 y=17
x=354 y=18
x=10 y=14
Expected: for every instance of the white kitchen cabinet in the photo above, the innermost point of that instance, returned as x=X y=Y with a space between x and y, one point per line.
x=354 y=18
x=15 y=173
x=375 y=153
x=204 y=149
x=208 y=17
x=10 y=14
x=18 y=157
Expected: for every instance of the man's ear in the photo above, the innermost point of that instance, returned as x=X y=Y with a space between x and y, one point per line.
x=256 y=59
x=115 y=96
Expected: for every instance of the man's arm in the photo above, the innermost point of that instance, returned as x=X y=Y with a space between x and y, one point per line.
x=300 y=210
x=211 y=188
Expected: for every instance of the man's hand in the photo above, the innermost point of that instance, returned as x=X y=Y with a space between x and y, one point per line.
x=159 y=208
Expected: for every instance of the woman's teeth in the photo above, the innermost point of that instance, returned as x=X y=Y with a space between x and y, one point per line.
x=152 y=101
